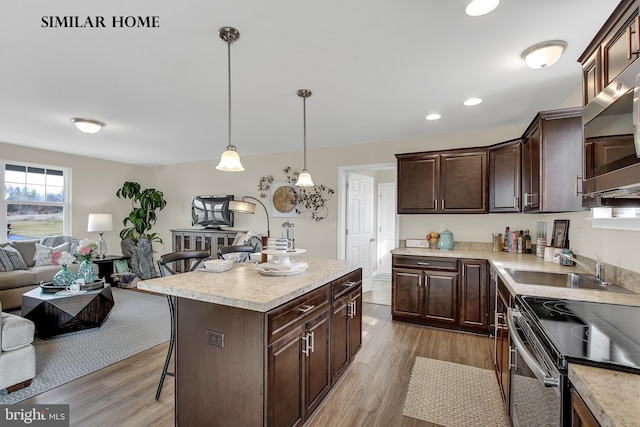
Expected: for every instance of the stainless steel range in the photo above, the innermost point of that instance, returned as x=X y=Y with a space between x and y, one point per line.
x=547 y=334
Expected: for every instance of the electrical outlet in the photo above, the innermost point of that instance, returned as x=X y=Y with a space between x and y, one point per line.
x=215 y=338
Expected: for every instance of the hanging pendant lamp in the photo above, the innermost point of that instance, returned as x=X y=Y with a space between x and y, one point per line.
x=229 y=160
x=304 y=179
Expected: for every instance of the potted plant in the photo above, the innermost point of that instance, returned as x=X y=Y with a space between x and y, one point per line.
x=136 y=236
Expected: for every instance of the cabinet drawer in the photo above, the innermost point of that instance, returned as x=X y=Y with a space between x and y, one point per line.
x=294 y=313
x=427 y=263
x=346 y=283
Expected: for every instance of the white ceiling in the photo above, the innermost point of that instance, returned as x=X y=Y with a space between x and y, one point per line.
x=376 y=69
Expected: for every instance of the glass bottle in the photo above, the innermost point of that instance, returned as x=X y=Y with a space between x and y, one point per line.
x=64 y=277
x=87 y=272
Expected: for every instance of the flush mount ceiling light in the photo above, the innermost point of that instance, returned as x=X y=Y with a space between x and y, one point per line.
x=481 y=7
x=472 y=101
x=304 y=179
x=229 y=160
x=87 y=125
x=544 y=54
x=434 y=116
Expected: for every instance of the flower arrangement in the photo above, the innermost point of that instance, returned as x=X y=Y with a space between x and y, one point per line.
x=62 y=258
x=85 y=250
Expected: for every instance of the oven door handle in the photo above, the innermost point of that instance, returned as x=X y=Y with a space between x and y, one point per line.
x=533 y=364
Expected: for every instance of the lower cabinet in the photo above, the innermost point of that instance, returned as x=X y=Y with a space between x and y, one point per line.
x=445 y=292
x=269 y=369
x=502 y=339
x=199 y=240
x=581 y=416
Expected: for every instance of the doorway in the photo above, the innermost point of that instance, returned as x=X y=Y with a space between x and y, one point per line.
x=367 y=232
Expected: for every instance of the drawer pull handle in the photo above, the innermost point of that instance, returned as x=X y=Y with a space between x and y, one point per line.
x=423 y=263
x=306 y=308
x=350 y=284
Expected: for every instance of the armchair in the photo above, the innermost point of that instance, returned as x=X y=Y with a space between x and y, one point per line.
x=17 y=353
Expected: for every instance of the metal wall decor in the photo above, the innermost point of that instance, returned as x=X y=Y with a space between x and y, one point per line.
x=303 y=199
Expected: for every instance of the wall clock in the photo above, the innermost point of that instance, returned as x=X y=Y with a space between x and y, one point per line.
x=283 y=200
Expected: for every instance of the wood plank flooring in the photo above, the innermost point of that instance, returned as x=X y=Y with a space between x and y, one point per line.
x=371 y=392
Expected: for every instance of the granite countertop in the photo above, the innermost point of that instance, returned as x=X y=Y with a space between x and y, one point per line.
x=611 y=396
x=243 y=287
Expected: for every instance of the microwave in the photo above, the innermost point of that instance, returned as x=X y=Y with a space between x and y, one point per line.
x=612 y=141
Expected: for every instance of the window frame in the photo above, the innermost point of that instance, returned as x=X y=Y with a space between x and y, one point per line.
x=66 y=204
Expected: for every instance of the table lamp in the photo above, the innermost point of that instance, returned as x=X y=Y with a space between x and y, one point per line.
x=100 y=223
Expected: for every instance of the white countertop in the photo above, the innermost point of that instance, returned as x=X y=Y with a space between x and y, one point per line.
x=243 y=287
x=611 y=396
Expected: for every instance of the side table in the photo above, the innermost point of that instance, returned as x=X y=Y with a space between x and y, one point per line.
x=105 y=266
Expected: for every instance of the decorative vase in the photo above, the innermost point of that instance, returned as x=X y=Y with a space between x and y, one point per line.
x=64 y=277
x=87 y=272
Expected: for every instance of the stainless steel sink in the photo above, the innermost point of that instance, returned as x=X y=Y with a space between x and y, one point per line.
x=562 y=280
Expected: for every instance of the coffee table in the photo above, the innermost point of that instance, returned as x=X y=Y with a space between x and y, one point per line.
x=60 y=314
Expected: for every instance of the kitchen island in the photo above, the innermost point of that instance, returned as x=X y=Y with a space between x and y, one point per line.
x=254 y=350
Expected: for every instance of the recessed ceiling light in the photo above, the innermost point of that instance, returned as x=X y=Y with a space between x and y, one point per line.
x=544 y=54
x=87 y=125
x=472 y=101
x=434 y=116
x=481 y=7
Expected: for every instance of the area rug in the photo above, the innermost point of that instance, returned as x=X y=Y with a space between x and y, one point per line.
x=137 y=322
x=454 y=395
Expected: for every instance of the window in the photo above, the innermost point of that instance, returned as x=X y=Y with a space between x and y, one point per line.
x=35 y=200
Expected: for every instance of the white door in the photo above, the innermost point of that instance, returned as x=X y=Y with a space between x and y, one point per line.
x=359 y=233
x=386 y=226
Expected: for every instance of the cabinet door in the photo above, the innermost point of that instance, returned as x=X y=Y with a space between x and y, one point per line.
x=504 y=177
x=531 y=170
x=355 y=322
x=317 y=380
x=406 y=292
x=621 y=49
x=591 y=77
x=581 y=416
x=473 y=295
x=284 y=380
x=464 y=187
x=339 y=338
x=418 y=183
x=440 y=296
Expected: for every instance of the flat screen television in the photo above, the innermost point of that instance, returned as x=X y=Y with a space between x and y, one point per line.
x=212 y=211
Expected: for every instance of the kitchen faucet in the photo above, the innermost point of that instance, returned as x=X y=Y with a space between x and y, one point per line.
x=598 y=271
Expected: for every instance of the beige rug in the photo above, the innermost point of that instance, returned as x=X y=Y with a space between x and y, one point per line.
x=454 y=395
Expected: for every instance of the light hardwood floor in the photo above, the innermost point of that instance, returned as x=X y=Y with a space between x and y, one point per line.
x=371 y=392
x=380 y=292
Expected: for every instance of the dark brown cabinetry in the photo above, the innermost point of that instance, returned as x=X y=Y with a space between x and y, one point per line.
x=444 y=292
x=551 y=162
x=502 y=340
x=581 y=416
x=505 y=176
x=346 y=323
x=454 y=181
x=272 y=368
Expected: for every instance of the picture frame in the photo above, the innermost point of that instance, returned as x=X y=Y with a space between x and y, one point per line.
x=282 y=200
x=560 y=233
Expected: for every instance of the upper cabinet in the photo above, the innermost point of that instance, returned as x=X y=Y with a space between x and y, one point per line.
x=504 y=176
x=552 y=162
x=613 y=49
x=452 y=181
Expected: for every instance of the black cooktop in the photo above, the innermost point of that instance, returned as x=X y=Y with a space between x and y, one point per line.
x=598 y=334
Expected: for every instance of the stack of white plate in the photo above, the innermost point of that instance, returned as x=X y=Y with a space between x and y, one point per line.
x=217 y=265
x=269 y=269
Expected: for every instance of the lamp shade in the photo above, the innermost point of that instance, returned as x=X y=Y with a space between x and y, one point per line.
x=544 y=54
x=87 y=125
x=100 y=223
x=304 y=179
x=242 y=206
x=230 y=160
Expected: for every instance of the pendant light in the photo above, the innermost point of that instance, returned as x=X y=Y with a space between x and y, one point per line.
x=230 y=160
x=304 y=179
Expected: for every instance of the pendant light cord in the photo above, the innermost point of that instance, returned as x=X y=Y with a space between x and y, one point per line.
x=229 y=81
x=304 y=129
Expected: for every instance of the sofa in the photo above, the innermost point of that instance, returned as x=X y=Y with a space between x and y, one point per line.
x=17 y=353
x=25 y=272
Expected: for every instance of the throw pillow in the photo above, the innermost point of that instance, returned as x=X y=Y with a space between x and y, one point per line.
x=46 y=255
x=16 y=258
x=5 y=261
